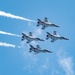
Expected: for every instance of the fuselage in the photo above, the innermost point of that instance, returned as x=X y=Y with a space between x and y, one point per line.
x=46 y=24
x=30 y=38
x=39 y=50
x=56 y=37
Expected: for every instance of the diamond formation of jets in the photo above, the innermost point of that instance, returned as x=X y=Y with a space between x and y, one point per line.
x=55 y=36
x=30 y=38
x=46 y=23
x=37 y=50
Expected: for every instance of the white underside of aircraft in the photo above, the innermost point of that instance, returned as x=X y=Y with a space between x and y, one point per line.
x=38 y=50
x=55 y=37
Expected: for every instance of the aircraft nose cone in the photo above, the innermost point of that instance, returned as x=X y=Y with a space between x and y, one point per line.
x=50 y=51
x=41 y=40
x=58 y=26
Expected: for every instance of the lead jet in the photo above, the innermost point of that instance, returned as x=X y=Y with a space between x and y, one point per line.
x=38 y=50
x=55 y=36
x=45 y=23
x=30 y=38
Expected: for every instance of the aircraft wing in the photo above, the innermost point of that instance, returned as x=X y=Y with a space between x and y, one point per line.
x=43 y=27
x=31 y=46
x=30 y=33
x=38 y=47
x=50 y=35
x=46 y=19
x=55 y=33
x=39 y=20
x=53 y=40
x=23 y=34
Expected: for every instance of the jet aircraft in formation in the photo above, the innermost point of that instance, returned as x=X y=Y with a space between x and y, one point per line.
x=55 y=36
x=45 y=23
x=37 y=50
x=30 y=38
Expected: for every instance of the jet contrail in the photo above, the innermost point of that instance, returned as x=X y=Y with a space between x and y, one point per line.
x=6 y=33
x=7 y=45
x=2 y=13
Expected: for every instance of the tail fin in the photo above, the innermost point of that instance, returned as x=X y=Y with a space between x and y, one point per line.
x=31 y=48
x=22 y=36
x=47 y=37
x=39 y=22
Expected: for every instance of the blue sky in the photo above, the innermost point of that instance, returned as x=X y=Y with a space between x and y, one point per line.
x=15 y=58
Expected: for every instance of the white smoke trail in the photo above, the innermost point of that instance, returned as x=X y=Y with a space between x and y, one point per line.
x=2 y=13
x=7 y=45
x=6 y=33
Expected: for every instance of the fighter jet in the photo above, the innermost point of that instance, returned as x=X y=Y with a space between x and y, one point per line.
x=38 y=50
x=55 y=36
x=45 y=23
x=30 y=38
